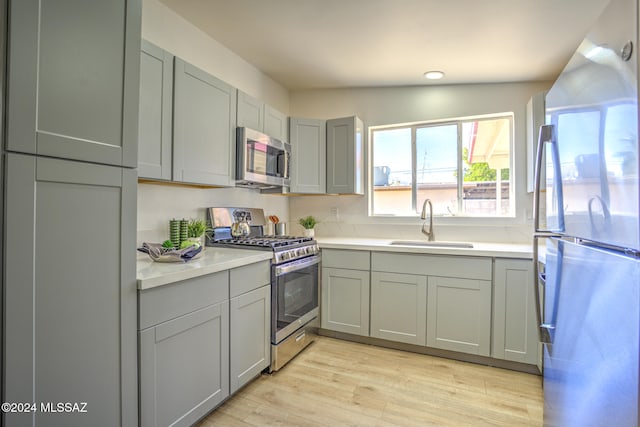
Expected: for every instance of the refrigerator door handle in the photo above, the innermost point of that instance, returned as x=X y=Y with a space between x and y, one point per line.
x=546 y=136
x=545 y=331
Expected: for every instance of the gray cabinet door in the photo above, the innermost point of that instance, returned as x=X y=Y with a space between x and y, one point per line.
x=308 y=155
x=276 y=124
x=345 y=156
x=156 y=104
x=184 y=367
x=399 y=307
x=70 y=290
x=204 y=122
x=345 y=301
x=72 y=82
x=250 y=112
x=250 y=316
x=515 y=336
x=459 y=315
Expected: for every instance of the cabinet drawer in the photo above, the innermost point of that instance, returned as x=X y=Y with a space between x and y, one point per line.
x=170 y=301
x=433 y=265
x=352 y=260
x=249 y=277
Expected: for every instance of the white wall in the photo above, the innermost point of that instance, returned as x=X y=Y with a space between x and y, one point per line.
x=163 y=27
x=382 y=106
x=157 y=204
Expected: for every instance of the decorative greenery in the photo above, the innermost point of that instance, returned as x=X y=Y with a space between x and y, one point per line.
x=167 y=244
x=480 y=171
x=308 y=222
x=196 y=227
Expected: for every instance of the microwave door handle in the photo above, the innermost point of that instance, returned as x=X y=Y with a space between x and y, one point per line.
x=285 y=169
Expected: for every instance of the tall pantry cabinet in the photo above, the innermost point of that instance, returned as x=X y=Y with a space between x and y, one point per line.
x=70 y=146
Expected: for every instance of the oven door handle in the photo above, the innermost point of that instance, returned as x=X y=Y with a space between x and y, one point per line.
x=297 y=265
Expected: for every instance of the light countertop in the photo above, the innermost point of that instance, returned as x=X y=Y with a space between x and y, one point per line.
x=151 y=274
x=498 y=250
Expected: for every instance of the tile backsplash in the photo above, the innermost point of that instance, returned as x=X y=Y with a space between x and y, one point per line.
x=157 y=204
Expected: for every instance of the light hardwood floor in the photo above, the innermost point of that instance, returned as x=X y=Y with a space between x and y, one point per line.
x=340 y=383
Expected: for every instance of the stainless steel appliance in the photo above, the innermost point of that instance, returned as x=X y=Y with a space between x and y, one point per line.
x=590 y=323
x=261 y=161
x=295 y=276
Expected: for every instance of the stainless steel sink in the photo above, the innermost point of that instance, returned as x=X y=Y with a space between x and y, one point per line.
x=431 y=244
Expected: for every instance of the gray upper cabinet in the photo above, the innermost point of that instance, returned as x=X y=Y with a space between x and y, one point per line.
x=204 y=110
x=535 y=117
x=276 y=124
x=255 y=114
x=156 y=104
x=70 y=331
x=72 y=83
x=308 y=155
x=345 y=156
x=250 y=112
x=515 y=335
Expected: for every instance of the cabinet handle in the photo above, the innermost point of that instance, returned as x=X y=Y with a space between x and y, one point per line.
x=302 y=335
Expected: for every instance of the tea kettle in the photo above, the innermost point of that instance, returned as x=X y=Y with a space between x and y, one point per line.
x=240 y=226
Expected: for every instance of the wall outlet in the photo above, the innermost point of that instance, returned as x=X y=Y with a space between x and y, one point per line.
x=334 y=214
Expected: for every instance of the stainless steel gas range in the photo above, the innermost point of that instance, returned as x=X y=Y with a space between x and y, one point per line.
x=295 y=275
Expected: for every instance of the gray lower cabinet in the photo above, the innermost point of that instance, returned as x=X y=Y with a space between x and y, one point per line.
x=250 y=336
x=72 y=79
x=184 y=367
x=201 y=339
x=156 y=108
x=399 y=307
x=308 y=155
x=204 y=123
x=345 y=156
x=459 y=315
x=184 y=350
x=250 y=292
x=345 y=301
x=515 y=335
x=70 y=291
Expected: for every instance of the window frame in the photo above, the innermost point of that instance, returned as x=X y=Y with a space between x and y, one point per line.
x=458 y=121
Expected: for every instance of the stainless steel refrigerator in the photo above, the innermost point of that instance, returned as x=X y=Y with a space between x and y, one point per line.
x=590 y=316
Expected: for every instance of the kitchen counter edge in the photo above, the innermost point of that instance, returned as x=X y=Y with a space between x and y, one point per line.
x=496 y=250
x=151 y=274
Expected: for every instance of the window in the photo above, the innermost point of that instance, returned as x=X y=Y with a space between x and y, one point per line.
x=462 y=166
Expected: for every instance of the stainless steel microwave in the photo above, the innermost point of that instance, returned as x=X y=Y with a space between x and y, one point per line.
x=261 y=161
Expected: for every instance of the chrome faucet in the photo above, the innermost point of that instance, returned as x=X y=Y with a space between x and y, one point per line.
x=423 y=215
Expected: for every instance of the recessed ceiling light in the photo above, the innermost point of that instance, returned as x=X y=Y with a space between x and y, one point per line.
x=434 y=75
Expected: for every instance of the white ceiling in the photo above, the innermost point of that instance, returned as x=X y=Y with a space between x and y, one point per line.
x=353 y=43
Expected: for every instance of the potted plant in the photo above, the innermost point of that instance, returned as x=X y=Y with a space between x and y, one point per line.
x=196 y=230
x=308 y=222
